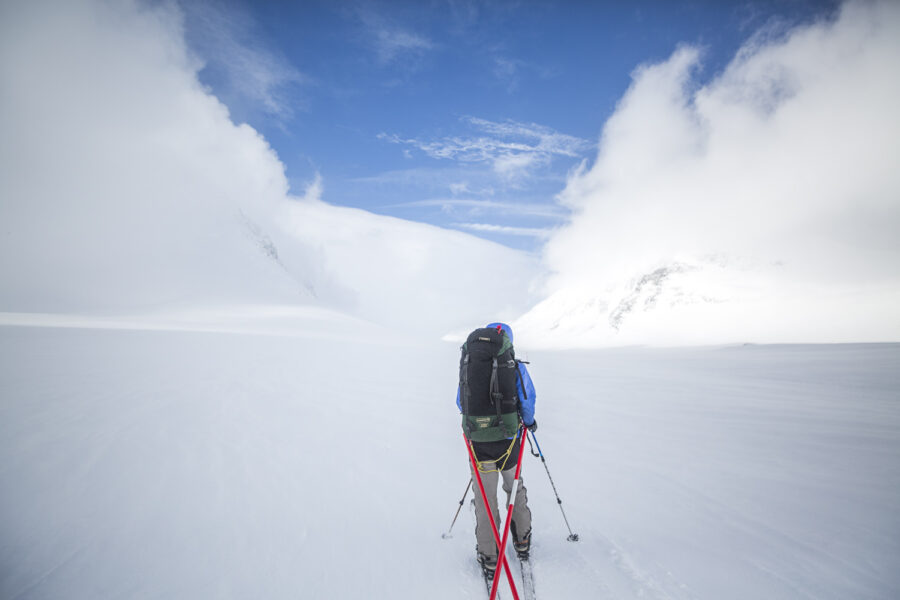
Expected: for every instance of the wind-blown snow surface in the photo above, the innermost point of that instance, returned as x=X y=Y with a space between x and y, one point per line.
x=147 y=463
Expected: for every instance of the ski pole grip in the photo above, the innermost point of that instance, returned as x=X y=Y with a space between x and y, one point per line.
x=536 y=443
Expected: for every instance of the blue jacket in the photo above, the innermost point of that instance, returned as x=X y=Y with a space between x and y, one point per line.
x=524 y=385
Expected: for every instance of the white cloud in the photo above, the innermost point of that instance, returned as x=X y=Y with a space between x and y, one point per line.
x=510 y=71
x=506 y=230
x=545 y=139
x=506 y=70
x=125 y=186
x=253 y=74
x=314 y=191
x=512 y=149
x=473 y=206
x=785 y=164
x=392 y=42
x=460 y=187
x=122 y=182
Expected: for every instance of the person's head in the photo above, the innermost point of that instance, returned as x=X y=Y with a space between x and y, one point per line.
x=503 y=326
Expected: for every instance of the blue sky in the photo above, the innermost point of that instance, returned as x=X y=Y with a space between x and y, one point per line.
x=466 y=115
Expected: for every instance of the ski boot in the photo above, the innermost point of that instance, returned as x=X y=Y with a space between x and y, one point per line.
x=488 y=565
x=521 y=544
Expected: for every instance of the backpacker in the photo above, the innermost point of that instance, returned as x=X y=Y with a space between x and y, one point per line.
x=487 y=386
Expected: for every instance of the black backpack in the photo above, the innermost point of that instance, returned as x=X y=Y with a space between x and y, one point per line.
x=487 y=386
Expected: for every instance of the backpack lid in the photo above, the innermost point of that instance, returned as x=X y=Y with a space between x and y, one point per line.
x=504 y=327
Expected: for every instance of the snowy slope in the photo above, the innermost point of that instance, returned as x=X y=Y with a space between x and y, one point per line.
x=215 y=464
x=711 y=301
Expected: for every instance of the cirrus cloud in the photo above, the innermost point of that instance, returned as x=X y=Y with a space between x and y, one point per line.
x=509 y=147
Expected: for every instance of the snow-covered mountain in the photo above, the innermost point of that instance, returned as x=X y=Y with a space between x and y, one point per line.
x=661 y=305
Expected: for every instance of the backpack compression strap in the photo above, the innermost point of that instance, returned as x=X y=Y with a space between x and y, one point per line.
x=464 y=390
x=496 y=396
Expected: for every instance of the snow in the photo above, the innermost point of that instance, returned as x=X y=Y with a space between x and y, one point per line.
x=211 y=387
x=324 y=459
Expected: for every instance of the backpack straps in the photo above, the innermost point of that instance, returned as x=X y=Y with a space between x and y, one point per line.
x=520 y=378
x=496 y=396
x=464 y=391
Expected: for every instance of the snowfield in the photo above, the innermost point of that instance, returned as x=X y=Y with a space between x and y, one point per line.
x=325 y=461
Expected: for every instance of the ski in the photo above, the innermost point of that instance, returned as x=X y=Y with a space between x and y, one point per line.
x=488 y=579
x=525 y=567
x=488 y=582
x=527 y=578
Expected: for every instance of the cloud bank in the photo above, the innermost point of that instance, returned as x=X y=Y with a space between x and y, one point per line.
x=763 y=205
x=125 y=187
x=124 y=183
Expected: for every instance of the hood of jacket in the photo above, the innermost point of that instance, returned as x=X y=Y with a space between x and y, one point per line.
x=506 y=328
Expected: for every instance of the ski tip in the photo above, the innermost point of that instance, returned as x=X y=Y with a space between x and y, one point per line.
x=573 y=538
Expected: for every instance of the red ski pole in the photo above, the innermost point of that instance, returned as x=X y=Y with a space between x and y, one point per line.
x=512 y=501
x=487 y=507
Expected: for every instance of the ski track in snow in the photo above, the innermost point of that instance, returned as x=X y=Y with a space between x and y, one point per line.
x=49 y=573
x=180 y=464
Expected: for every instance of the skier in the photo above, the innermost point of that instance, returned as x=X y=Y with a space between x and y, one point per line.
x=496 y=449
